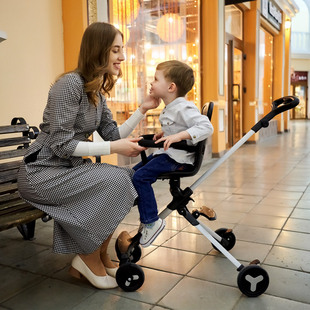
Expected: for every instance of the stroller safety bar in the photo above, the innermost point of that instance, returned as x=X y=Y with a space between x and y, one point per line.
x=278 y=106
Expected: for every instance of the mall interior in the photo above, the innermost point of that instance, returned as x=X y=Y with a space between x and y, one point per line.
x=245 y=55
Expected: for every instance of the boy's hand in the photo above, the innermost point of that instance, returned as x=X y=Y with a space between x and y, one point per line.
x=158 y=136
x=183 y=135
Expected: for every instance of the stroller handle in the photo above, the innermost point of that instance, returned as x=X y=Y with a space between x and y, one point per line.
x=278 y=106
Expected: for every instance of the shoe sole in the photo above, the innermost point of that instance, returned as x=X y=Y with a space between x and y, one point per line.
x=159 y=230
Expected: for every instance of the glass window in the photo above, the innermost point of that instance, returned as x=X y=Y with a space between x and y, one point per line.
x=154 y=31
x=265 y=71
x=233 y=21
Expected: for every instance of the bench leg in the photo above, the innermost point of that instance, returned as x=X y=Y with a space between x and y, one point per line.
x=27 y=230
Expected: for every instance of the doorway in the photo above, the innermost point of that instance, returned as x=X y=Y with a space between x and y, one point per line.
x=234 y=92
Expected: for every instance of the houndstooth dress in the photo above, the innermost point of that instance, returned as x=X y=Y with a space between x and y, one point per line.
x=86 y=200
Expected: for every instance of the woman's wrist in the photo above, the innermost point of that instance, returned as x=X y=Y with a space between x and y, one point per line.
x=142 y=109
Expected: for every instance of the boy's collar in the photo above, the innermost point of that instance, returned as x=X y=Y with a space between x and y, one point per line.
x=175 y=101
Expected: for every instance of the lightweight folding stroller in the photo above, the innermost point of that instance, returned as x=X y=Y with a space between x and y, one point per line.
x=252 y=280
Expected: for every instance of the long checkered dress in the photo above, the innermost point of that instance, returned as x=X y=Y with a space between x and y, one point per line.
x=86 y=200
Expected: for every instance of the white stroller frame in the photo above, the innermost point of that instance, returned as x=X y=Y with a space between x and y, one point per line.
x=252 y=280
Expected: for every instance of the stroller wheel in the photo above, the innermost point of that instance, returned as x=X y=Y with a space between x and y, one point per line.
x=133 y=251
x=253 y=280
x=228 y=238
x=129 y=277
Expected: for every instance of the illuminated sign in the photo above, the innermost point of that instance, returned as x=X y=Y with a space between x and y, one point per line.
x=271 y=11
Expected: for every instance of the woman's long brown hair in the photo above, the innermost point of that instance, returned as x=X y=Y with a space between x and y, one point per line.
x=94 y=59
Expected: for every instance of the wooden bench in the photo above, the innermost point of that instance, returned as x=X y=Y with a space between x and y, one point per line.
x=14 y=140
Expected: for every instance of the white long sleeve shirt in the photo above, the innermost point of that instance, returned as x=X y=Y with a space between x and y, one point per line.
x=103 y=148
x=182 y=115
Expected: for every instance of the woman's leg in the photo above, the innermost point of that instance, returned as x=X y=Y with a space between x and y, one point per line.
x=94 y=263
x=105 y=258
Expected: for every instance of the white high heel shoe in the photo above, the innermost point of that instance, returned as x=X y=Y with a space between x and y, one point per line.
x=78 y=268
x=111 y=271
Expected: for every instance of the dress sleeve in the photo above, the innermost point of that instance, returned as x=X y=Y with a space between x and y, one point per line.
x=107 y=129
x=62 y=109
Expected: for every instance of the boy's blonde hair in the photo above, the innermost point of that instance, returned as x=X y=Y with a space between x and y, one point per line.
x=179 y=73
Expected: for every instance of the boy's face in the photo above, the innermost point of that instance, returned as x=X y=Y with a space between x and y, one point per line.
x=160 y=86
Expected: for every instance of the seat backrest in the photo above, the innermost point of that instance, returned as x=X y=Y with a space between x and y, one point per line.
x=207 y=110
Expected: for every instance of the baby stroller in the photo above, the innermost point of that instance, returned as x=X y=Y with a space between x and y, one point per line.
x=252 y=280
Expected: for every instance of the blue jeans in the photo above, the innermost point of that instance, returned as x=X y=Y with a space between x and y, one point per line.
x=143 y=179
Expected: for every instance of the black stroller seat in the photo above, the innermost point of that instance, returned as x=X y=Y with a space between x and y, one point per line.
x=198 y=149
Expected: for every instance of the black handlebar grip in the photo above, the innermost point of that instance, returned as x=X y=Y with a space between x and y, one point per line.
x=278 y=106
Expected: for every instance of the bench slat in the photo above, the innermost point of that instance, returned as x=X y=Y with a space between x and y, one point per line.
x=10 y=165
x=8 y=176
x=12 y=220
x=13 y=128
x=11 y=154
x=8 y=197
x=14 y=206
x=14 y=141
x=8 y=188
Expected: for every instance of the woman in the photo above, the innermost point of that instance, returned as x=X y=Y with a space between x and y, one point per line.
x=86 y=200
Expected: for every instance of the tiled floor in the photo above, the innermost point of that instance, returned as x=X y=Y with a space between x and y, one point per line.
x=262 y=192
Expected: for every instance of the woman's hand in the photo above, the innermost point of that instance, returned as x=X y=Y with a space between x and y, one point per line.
x=183 y=135
x=128 y=147
x=149 y=103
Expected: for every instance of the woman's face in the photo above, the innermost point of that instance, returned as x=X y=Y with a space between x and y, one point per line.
x=116 y=55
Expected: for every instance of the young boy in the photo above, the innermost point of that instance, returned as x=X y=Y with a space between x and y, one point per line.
x=180 y=120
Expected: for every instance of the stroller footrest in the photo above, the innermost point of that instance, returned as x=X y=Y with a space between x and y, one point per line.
x=205 y=211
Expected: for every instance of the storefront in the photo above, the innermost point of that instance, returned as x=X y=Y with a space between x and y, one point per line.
x=299 y=87
x=154 y=31
x=239 y=51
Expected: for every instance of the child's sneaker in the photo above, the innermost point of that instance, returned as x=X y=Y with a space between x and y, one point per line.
x=151 y=231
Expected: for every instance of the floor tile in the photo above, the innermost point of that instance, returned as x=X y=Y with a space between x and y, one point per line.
x=14 y=281
x=301 y=214
x=189 y=242
x=105 y=301
x=298 y=225
x=198 y=293
x=303 y=204
x=155 y=286
x=280 y=202
x=248 y=251
x=245 y=198
x=289 y=258
x=256 y=234
x=235 y=206
x=271 y=210
x=284 y=194
x=271 y=303
x=43 y=296
x=171 y=260
x=289 y=284
x=216 y=269
x=266 y=221
x=293 y=240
